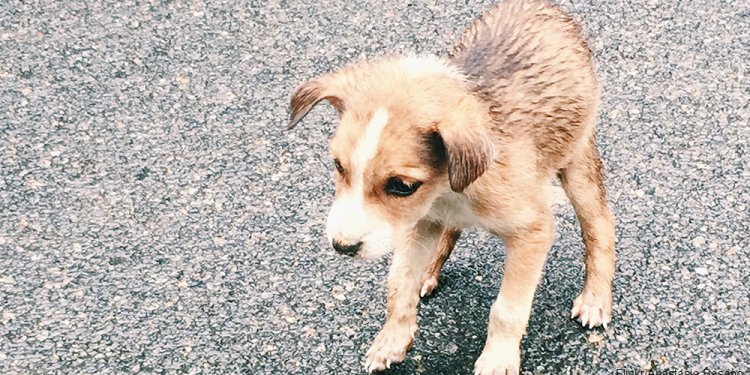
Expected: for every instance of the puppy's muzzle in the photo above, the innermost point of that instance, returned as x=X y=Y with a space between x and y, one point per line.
x=348 y=249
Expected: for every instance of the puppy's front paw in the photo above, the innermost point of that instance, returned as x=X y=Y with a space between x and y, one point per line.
x=428 y=285
x=389 y=347
x=499 y=360
x=593 y=309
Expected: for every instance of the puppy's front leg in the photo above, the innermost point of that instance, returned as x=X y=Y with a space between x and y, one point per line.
x=526 y=252
x=412 y=257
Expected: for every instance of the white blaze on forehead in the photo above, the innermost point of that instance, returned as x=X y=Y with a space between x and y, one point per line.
x=367 y=146
x=349 y=220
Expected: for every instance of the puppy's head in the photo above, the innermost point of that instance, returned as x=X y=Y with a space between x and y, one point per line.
x=409 y=132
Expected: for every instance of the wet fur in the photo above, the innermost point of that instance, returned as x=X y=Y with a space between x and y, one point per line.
x=514 y=105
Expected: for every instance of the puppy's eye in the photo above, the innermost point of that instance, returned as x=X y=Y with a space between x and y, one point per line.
x=338 y=166
x=396 y=186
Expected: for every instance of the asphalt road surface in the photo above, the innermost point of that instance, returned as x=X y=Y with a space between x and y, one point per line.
x=155 y=217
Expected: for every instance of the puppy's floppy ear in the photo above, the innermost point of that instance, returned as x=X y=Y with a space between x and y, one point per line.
x=470 y=151
x=306 y=96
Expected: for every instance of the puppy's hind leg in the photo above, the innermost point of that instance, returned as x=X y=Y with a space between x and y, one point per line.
x=411 y=259
x=444 y=248
x=526 y=252
x=584 y=185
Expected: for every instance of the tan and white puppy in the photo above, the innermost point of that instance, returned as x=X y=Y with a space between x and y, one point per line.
x=428 y=146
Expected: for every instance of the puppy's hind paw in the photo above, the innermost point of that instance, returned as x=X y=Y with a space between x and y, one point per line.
x=498 y=362
x=592 y=309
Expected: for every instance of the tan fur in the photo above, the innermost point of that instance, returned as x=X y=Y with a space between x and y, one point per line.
x=444 y=249
x=483 y=132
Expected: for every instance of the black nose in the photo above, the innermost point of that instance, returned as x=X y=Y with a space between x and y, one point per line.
x=347 y=249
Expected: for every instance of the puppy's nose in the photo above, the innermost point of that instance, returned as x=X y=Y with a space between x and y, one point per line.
x=347 y=248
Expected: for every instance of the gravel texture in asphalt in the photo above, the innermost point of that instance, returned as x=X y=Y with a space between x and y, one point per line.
x=155 y=217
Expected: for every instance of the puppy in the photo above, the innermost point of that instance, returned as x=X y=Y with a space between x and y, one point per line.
x=428 y=146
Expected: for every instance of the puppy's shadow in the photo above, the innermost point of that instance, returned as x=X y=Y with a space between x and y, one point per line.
x=453 y=321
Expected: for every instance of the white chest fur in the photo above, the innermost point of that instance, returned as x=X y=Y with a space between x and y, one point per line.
x=454 y=210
